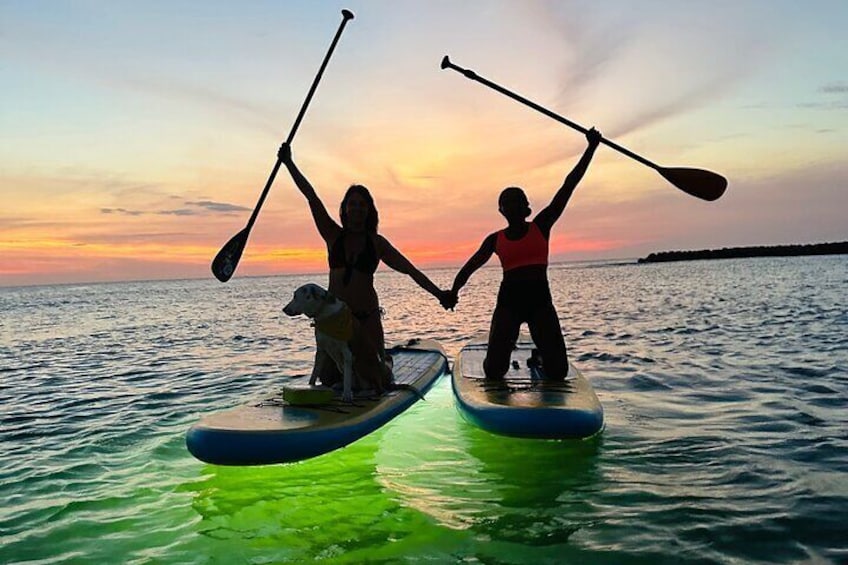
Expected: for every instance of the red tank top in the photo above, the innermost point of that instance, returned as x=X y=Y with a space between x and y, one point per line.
x=532 y=249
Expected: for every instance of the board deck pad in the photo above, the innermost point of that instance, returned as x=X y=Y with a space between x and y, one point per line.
x=273 y=430
x=523 y=404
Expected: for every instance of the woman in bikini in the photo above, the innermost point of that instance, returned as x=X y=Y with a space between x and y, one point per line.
x=354 y=251
x=524 y=295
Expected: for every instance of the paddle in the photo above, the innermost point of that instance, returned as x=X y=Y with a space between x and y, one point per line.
x=695 y=182
x=225 y=262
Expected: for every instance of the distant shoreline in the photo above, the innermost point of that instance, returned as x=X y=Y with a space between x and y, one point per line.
x=836 y=248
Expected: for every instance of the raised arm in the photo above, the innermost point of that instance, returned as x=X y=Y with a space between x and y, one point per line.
x=548 y=217
x=327 y=227
x=480 y=257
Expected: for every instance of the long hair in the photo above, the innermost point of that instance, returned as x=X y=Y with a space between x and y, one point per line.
x=372 y=219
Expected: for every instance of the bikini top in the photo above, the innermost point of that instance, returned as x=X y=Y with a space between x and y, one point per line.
x=531 y=249
x=366 y=262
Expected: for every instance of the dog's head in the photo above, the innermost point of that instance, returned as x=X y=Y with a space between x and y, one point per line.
x=309 y=299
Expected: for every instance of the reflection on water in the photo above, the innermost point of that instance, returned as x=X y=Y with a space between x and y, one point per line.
x=431 y=469
x=317 y=508
x=499 y=489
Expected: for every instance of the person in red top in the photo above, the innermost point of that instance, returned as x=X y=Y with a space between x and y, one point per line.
x=524 y=295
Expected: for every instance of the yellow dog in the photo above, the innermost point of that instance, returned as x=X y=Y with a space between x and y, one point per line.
x=341 y=340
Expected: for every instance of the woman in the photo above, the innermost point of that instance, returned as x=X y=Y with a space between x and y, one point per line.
x=524 y=295
x=354 y=251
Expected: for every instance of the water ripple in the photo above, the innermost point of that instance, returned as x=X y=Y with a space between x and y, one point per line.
x=725 y=440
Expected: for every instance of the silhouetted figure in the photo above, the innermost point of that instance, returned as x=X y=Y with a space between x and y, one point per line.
x=524 y=295
x=355 y=249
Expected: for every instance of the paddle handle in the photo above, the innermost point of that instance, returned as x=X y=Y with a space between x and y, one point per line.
x=347 y=15
x=447 y=64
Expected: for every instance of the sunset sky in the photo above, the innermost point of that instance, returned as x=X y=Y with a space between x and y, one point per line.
x=137 y=136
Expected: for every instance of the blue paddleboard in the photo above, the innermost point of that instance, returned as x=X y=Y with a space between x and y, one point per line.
x=283 y=430
x=522 y=404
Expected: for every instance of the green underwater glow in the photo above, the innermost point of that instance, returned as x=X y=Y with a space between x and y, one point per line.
x=400 y=492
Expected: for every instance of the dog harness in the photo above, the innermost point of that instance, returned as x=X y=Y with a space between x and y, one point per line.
x=366 y=262
x=532 y=249
x=338 y=326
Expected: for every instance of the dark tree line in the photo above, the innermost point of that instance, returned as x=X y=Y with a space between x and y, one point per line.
x=835 y=248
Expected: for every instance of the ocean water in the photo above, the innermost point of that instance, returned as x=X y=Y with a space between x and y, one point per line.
x=724 y=383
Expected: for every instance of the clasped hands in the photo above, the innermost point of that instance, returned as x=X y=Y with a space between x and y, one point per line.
x=448 y=299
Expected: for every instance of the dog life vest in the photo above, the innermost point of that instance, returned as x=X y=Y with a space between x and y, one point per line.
x=532 y=249
x=339 y=325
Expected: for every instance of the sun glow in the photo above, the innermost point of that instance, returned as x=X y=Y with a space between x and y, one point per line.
x=160 y=142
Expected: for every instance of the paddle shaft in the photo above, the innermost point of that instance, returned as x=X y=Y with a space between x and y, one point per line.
x=346 y=16
x=447 y=64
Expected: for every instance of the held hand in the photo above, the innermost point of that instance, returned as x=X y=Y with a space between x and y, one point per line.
x=593 y=136
x=448 y=299
x=285 y=153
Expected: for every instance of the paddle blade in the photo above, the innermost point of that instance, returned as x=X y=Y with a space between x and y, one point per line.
x=225 y=262
x=701 y=184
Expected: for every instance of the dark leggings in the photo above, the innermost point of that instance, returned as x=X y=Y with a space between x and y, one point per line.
x=527 y=302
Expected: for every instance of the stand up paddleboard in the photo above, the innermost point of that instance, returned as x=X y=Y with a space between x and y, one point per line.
x=305 y=422
x=522 y=404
